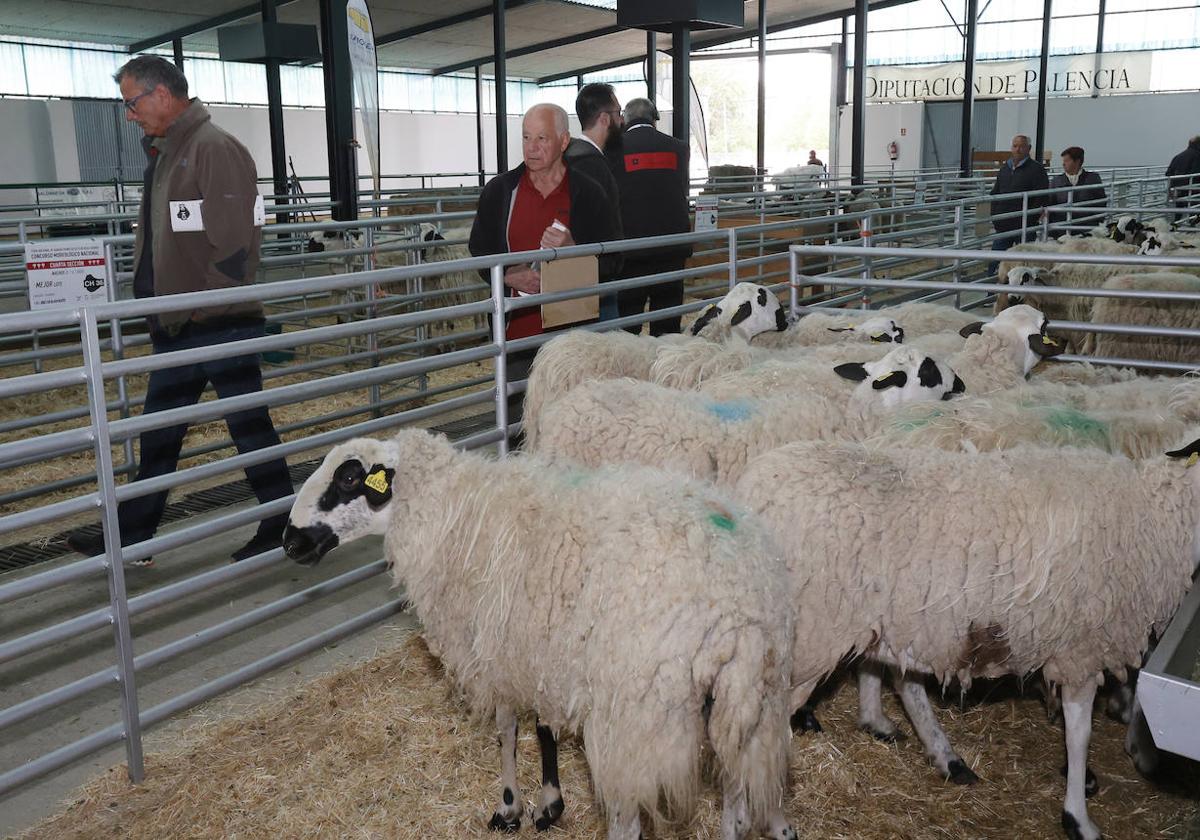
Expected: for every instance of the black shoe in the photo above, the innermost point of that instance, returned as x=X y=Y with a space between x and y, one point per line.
x=260 y=543
x=90 y=543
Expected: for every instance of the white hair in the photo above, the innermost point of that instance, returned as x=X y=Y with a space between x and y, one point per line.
x=562 y=123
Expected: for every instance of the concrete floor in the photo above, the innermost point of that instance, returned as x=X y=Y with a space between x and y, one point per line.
x=36 y=673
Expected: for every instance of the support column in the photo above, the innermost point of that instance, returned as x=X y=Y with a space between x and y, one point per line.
x=652 y=66
x=762 y=87
x=966 y=165
x=681 y=74
x=858 y=132
x=1040 y=144
x=479 y=121
x=1102 y=14
x=339 y=110
x=177 y=49
x=275 y=120
x=501 y=66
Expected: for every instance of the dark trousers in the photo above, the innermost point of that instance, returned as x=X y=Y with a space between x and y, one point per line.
x=181 y=386
x=659 y=296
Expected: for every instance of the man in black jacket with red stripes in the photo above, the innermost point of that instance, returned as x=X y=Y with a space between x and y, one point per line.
x=652 y=180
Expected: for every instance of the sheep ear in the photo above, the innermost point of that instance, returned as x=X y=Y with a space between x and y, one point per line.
x=882 y=338
x=712 y=312
x=1046 y=346
x=743 y=312
x=971 y=329
x=899 y=334
x=1191 y=452
x=928 y=374
x=854 y=371
x=762 y=297
x=377 y=486
x=895 y=379
x=840 y=329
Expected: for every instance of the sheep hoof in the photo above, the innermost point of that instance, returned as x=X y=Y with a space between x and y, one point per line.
x=960 y=774
x=884 y=735
x=1091 y=785
x=548 y=815
x=1074 y=830
x=803 y=720
x=502 y=823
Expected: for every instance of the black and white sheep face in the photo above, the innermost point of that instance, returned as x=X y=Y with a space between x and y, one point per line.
x=881 y=330
x=1125 y=229
x=1024 y=275
x=750 y=309
x=902 y=376
x=430 y=233
x=333 y=240
x=346 y=498
x=1023 y=332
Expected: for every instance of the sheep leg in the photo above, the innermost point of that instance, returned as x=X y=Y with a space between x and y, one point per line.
x=1139 y=743
x=624 y=823
x=735 y=814
x=507 y=816
x=870 y=703
x=1053 y=701
x=551 y=807
x=1077 y=703
x=933 y=738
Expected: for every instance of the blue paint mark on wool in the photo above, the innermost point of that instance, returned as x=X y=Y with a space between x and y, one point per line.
x=732 y=412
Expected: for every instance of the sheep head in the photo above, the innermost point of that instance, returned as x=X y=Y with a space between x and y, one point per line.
x=1021 y=330
x=748 y=309
x=882 y=330
x=902 y=376
x=1024 y=275
x=348 y=497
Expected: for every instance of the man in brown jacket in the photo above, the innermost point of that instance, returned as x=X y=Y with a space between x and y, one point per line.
x=200 y=228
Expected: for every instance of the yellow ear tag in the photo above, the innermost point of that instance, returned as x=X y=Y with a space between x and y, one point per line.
x=877 y=336
x=882 y=378
x=1048 y=340
x=377 y=481
x=1193 y=458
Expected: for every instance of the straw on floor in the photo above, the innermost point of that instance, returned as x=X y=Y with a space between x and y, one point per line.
x=385 y=750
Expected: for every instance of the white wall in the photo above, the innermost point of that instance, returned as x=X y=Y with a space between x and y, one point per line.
x=1132 y=130
x=883 y=125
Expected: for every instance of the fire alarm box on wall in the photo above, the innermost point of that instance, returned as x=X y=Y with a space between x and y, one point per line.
x=893 y=150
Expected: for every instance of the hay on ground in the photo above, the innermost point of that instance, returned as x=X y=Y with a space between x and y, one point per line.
x=385 y=749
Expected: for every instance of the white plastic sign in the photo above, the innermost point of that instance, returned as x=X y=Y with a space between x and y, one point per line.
x=260 y=211
x=66 y=272
x=706 y=212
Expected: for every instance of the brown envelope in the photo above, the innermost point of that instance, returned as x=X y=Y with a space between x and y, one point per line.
x=562 y=275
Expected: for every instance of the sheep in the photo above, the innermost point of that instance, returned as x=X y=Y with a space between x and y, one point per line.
x=460 y=287
x=632 y=422
x=1060 y=575
x=521 y=575
x=917 y=319
x=999 y=356
x=794 y=177
x=625 y=421
x=1149 y=313
x=565 y=361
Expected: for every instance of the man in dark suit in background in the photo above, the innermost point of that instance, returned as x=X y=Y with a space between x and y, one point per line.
x=1081 y=189
x=599 y=115
x=652 y=180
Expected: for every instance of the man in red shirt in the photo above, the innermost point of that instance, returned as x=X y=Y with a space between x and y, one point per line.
x=518 y=210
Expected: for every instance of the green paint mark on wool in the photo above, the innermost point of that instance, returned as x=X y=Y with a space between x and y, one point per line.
x=914 y=423
x=1077 y=423
x=723 y=522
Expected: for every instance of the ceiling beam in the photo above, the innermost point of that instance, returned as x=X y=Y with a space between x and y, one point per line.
x=738 y=35
x=564 y=41
x=252 y=10
x=442 y=23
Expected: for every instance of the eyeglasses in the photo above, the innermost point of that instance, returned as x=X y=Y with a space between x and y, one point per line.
x=131 y=104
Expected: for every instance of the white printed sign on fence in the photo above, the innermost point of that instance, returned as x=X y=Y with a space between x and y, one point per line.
x=66 y=272
x=706 y=212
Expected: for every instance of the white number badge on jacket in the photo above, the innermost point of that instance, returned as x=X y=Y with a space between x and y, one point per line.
x=186 y=216
x=260 y=212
